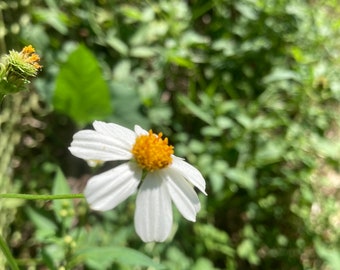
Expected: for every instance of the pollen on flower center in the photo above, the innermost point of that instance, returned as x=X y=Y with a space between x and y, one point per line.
x=151 y=152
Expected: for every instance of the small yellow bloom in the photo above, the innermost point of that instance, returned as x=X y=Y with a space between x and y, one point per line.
x=16 y=68
x=29 y=56
x=24 y=63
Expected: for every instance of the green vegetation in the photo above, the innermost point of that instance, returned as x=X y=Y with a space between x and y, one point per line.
x=247 y=91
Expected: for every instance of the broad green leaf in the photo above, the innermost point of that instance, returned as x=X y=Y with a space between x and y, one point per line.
x=81 y=91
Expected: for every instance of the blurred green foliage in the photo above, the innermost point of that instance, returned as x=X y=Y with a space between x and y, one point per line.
x=247 y=90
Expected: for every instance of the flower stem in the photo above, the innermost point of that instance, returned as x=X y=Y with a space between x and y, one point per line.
x=5 y=249
x=40 y=197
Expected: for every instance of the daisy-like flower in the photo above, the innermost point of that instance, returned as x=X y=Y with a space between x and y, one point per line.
x=151 y=169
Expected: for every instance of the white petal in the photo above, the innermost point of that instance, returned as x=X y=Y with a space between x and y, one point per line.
x=153 y=215
x=91 y=145
x=182 y=194
x=126 y=136
x=105 y=191
x=188 y=172
x=140 y=131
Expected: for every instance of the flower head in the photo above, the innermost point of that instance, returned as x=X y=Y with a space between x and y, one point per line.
x=151 y=169
x=16 y=68
x=151 y=152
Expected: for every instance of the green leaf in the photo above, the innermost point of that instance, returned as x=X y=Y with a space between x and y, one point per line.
x=247 y=251
x=280 y=74
x=131 y=12
x=122 y=70
x=176 y=259
x=196 y=110
x=117 y=44
x=224 y=122
x=269 y=152
x=214 y=239
x=247 y=11
x=142 y=52
x=103 y=257
x=180 y=61
x=53 y=17
x=203 y=264
x=81 y=91
x=52 y=254
x=45 y=227
x=243 y=177
x=63 y=209
x=331 y=255
x=211 y=131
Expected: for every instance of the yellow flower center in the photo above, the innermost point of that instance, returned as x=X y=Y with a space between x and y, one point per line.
x=29 y=56
x=152 y=152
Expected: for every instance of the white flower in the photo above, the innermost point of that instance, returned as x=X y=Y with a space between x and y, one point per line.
x=150 y=167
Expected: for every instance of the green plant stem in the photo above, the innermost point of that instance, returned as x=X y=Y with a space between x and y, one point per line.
x=5 y=249
x=40 y=197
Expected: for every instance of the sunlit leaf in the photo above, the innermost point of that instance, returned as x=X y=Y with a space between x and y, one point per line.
x=81 y=91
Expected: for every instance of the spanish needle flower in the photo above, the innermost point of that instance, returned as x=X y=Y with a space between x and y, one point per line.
x=16 y=68
x=151 y=169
